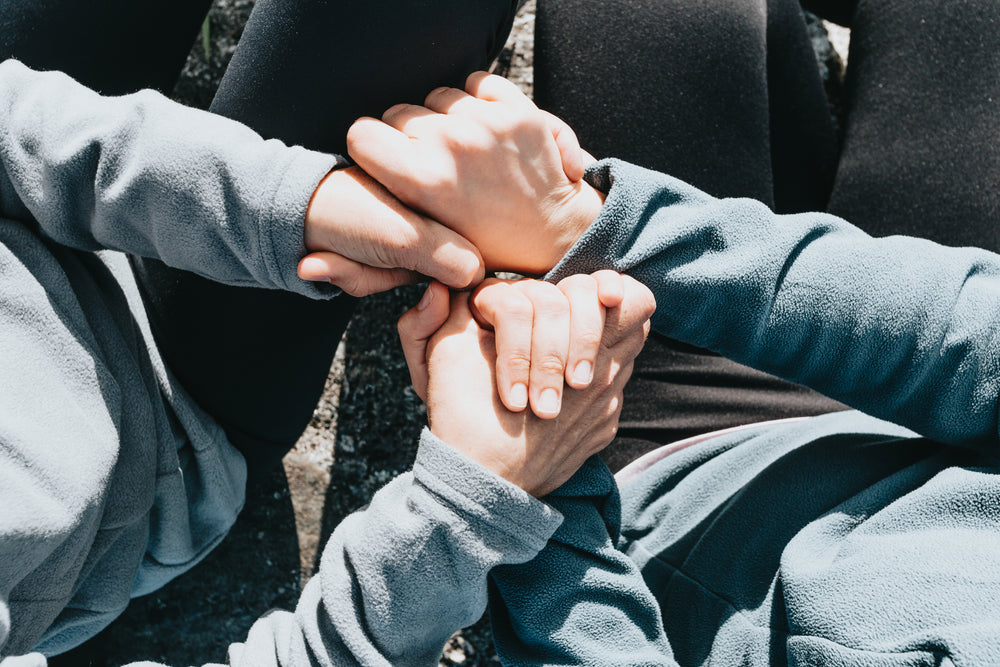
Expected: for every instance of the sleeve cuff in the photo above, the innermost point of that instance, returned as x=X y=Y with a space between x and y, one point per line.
x=634 y=194
x=283 y=228
x=482 y=494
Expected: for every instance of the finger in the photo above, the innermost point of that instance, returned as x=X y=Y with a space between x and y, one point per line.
x=610 y=287
x=374 y=228
x=574 y=158
x=549 y=346
x=353 y=277
x=586 y=318
x=485 y=319
x=510 y=313
x=416 y=326
x=406 y=117
x=451 y=100
x=493 y=88
x=387 y=154
x=637 y=306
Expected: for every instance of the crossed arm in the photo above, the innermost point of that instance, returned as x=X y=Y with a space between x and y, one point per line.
x=142 y=175
x=760 y=292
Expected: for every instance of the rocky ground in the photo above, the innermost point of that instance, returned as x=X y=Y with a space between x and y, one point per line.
x=361 y=436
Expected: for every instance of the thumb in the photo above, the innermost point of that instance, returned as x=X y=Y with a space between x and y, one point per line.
x=574 y=158
x=416 y=326
x=353 y=277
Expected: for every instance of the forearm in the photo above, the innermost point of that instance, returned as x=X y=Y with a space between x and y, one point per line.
x=902 y=328
x=400 y=577
x=145 y=175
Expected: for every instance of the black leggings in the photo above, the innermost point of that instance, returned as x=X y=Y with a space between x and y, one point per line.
x=727 y=95
x=303 y=71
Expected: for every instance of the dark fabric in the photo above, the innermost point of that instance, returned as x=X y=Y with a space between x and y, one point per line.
x=112 y=46
x=838 y=11
x=726 y=96
x=303 y=71
x=920 y=150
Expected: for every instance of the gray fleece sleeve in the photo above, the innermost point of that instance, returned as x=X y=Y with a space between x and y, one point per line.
x=898 y=327
x=581 y=601
x=399 y=577
x=148 y=176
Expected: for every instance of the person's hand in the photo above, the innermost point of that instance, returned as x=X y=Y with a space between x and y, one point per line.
x=452 y=360
x=368 y=242
x=488 y=164
x=546 y=334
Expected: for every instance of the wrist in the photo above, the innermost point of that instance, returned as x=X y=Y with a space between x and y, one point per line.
x=580 y=212
x=338 y=189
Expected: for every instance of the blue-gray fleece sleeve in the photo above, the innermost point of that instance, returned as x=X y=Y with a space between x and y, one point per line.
x=900 y=328
x=148 y=176
x=581 y=601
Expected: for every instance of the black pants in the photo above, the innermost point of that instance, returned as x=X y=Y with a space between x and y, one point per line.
x=724 y=94
x=303 y=71
x=727 y=96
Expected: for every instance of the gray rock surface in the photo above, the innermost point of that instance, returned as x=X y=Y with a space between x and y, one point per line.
x=362 y=434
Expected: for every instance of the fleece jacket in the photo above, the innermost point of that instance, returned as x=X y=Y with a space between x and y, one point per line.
x=843 y=540
x=869 y=537
x=112 y=481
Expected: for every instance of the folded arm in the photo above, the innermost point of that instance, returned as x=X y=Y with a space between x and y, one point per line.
x=150 y=177
x=145 y=175
x=398 y=578
x=901 y=328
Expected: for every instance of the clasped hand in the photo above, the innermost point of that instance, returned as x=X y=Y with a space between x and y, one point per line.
x=454 y=362
x=473 y=181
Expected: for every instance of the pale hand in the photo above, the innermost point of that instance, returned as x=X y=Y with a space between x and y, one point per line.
x=366 y=241
x=453 y=367
x=488 y=164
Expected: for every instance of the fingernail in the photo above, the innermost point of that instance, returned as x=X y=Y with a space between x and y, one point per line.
x=584 y=372
x=426 y=299
x=518 y=395
x=548 y=402
x=313 y=268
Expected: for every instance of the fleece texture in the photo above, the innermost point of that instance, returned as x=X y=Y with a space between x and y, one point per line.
x=843 y=539
x=112 y=481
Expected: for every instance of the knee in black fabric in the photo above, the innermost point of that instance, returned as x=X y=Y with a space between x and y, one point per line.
x=678 y=86
x=113 y=46
x=919 y=154
x=304 y=71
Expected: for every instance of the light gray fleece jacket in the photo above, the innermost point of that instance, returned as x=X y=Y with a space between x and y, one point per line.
x=112 y=481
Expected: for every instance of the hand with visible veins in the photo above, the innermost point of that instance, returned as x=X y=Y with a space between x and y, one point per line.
x=452 y=361
x=488 y=164
x=369 y=242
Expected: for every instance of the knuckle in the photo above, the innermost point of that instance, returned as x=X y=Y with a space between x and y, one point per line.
x=548 y=364
x=549 y=300
x=404 y=324
x=394 y=111
x=438 y=92
x=468 y=137
x=587 y=340
x=356 y=136
x=355 y=287
x=517 y=363
x=515 y=307
x=578 y=283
